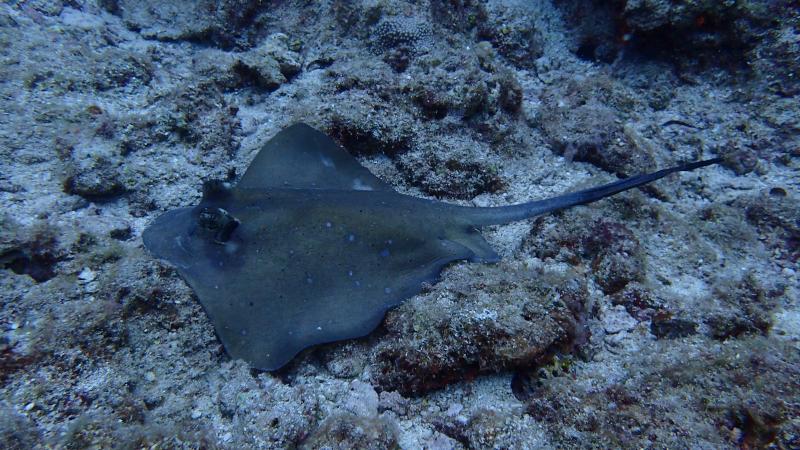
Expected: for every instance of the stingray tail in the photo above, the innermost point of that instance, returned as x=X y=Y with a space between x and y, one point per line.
x=506 y=214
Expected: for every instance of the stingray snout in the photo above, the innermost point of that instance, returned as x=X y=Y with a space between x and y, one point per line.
x=168 y=236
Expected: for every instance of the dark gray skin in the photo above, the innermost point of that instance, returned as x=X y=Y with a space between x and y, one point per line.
x=311 y=248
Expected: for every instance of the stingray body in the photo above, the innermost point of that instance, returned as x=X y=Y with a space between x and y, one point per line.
x=309 y=247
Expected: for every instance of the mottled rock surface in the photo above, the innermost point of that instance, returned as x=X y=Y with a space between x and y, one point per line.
x=666 y=317
x=465 y=327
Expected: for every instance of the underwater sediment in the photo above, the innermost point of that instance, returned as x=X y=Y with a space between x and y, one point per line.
x=666 y=316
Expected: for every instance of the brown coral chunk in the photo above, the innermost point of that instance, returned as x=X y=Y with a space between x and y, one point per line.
x=512 y=320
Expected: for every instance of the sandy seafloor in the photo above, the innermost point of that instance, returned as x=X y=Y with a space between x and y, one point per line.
x=665 y=317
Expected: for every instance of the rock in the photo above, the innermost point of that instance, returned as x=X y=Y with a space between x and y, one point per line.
x=458 y=15
x=362 y=400
x=628 y=413
x=400 y=39
x=199 y=115
x=593 y=37
x=777 y=58
x=617 y=320
x=364 y=133
x=269 y=65
x=216 y=23
x=393 y=401
x=777 y=219
x=728 y=326
x=609 y=247
x=350 y=431
x=700 y=33
x=510 y=93
x=638 y=301
x=454 y=178
x=510 y=28
x=491 y=427
x=345 y=359
x=747 y=303
x=583 y=119
x=33 y=250
x=617 y=257
x=664 y=326
x=93 y=172
x=263 y=72
x=739 y=159
x=506 y=321
x=16 y=430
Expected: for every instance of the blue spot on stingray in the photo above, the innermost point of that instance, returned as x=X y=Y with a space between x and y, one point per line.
x=351 y=237
x=385 y=252
x=387 y=290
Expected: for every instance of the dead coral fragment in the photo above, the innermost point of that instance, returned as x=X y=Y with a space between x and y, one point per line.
x=748 y=301
x=720 y=381
x=399 y=40
x=664 y=326
x=610 y=248
x=269 y=65
x=407 y=33
x=777 y=218
x=450 y=178
x=583 y=120
x=510 y=29
x=219 y=23
x=351 y=431
x=94 y=177
x=513 y=320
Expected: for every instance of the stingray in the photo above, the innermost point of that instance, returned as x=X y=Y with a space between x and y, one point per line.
x=309 y=247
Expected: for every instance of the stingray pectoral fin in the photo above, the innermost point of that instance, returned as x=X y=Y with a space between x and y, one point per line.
x=167 y=237
x=268 y=329
x=475 y=246
x=250 y=325
x=301 y=157
x=506 y=214
x=266 y=310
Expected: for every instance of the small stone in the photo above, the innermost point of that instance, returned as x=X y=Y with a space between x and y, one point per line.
x=87 y=275
x=393 y=401
x=362 y=400
x=663 y=326
x=617 y=320
x=30 y=406
x=150 y=376
x=454 y=409
x=93 y=174
x=196 y=414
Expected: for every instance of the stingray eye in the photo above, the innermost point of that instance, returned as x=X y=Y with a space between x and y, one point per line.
x=219 y=222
